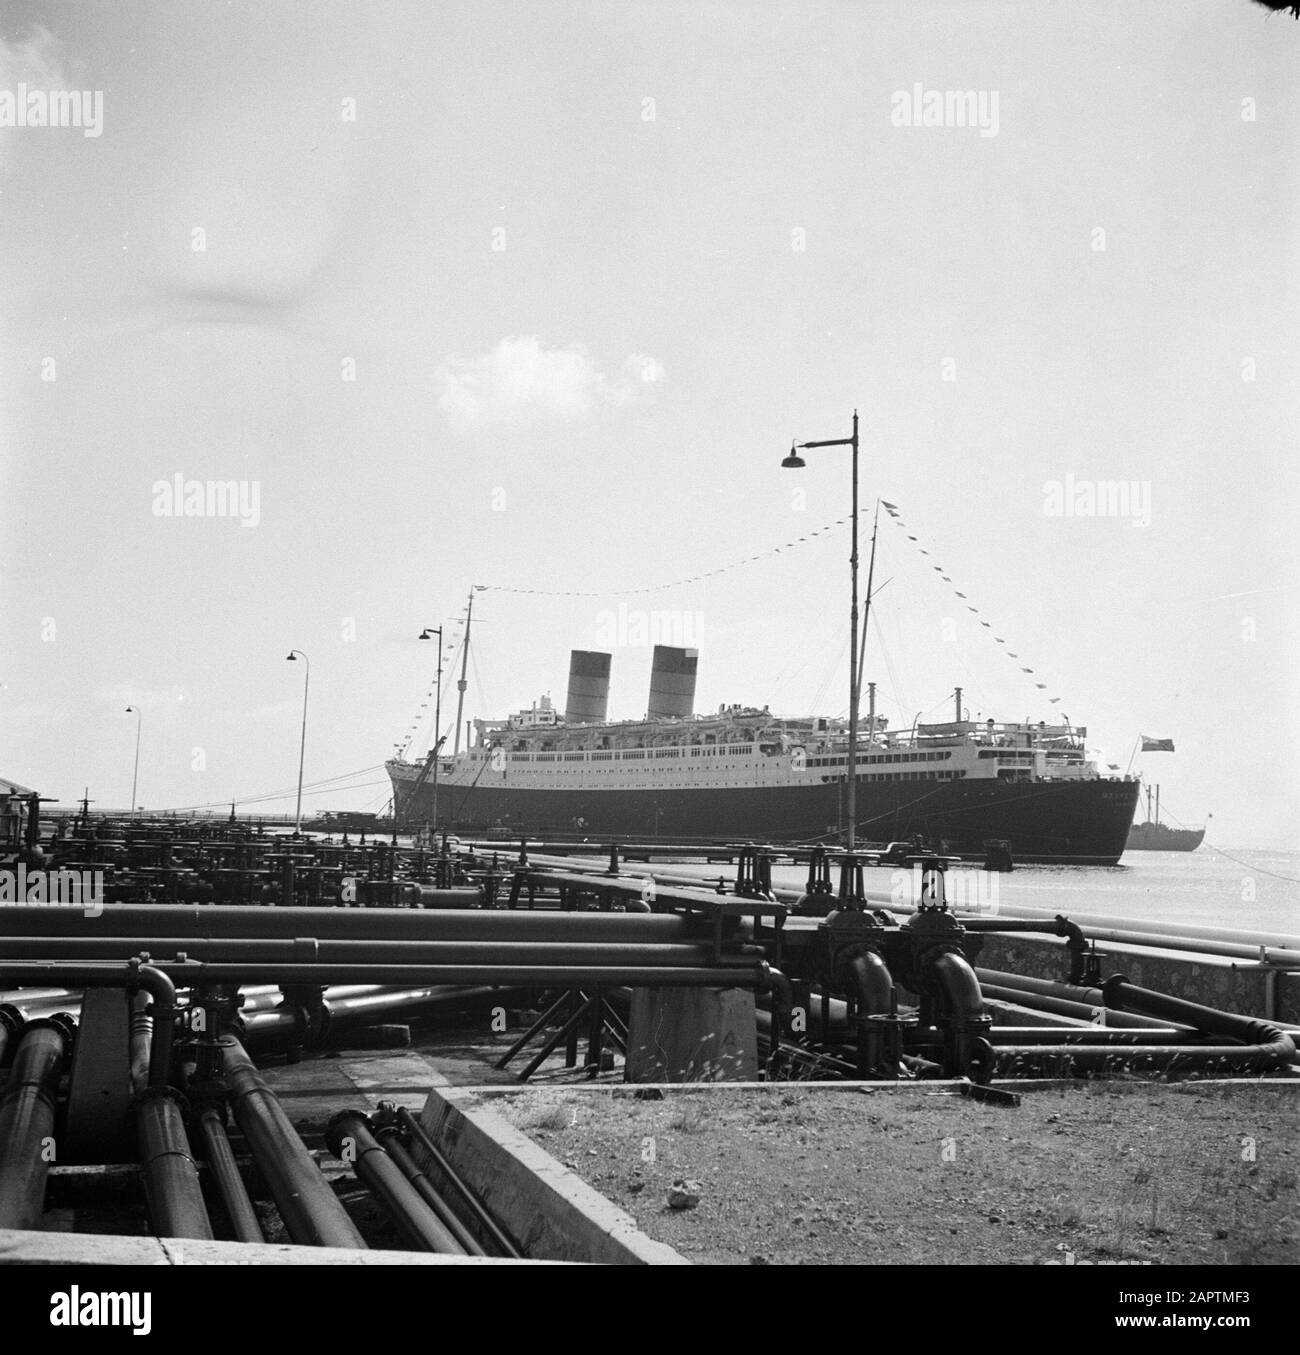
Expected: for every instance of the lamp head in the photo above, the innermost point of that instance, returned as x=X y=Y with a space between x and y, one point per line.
x=794 y=461
x=291 y=657
x=429 y=632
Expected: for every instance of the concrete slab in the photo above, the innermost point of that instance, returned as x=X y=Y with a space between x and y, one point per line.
x=692 y=1035
x=547 y=1210
x=83 y=1249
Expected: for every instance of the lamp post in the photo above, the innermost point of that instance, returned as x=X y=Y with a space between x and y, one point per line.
x=135 y=775
x=292 y=656
x=428 y=633
x=796 y=462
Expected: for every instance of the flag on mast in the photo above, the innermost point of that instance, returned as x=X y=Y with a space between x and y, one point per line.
x=1150 y=745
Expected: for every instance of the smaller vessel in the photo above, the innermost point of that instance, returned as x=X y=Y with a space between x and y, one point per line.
x=1154 y=836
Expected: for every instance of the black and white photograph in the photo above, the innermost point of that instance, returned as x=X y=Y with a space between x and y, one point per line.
x=648 y=633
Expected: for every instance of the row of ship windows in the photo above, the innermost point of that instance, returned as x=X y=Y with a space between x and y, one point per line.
x=903 y=776
x=880 y=757
x=632 y=754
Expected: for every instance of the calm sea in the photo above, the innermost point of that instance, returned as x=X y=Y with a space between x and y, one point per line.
x=1247 y=889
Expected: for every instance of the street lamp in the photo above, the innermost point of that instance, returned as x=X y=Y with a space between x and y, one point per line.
x=292 y=656
x=135 y=775
x=427 y=634
x=795 y=462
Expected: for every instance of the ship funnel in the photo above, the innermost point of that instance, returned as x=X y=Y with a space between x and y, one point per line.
x=672 y=683
x=588 y=700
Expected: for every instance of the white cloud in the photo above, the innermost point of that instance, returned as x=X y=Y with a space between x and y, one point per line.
x=520 y=382
x=37 y=59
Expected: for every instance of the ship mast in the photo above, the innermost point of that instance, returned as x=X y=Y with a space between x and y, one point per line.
x=866 y=612
x=460 y=684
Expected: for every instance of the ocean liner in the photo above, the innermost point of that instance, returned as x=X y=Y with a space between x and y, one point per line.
x=745 y=774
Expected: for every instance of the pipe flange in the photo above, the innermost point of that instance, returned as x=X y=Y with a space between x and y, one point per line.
x=167 y=1092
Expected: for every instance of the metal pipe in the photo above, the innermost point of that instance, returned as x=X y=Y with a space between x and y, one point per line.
x=1078 y=1060
x=11 y=1022
x=873 y=984
x=350 y=1140
x=752 y=975
x=171 y=1180
x=141 y=1042
x=968 y=1025
x=1232 y=950
x=1053 y=1035
x=288 y=1021
x=378 y=924
x=27 y=1123
x=1059 y=1006
x=1089 y=921
x=390 y=1137
x=310 y=1209
x=132 y=975
x=230 y=1184
x=310 y=950
x=1119 y=992
x=419 y=1135
x=1263 y=1046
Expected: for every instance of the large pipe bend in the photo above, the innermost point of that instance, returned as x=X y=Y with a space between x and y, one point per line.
x=956 y=980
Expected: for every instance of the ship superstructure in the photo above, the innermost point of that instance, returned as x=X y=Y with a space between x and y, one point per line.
x=743 y=772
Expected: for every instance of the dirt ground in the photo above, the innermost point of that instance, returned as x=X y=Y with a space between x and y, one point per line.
x=1099 y=1173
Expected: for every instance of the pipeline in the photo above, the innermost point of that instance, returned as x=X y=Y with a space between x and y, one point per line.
x=310 y=1209
x=419 y=1137
x=130 y=976
x=141 y=1042
x=1273 y=1047
x=310 y=950
x=230 y=1184
x=390 y=1136
x=968 y=1053
x=171 y=1180
x=1078 y=1011
x=318 y=1024
x=752 y=974
x=377 y=924
x=1263 y=1046
x=11 y=1024
x=27 y=1121
x=350 y=1140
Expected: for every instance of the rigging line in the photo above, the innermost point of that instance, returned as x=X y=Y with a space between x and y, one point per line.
x=1259 y=870
x=676 y=583
x=221 y=804
x=326 y=782
x=890 y=671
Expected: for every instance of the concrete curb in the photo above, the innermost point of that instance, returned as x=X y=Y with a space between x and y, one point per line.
x=548 y=1210
x=99 y=1249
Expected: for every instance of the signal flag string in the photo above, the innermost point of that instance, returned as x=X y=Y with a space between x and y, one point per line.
x=897 y=517
x=661 y=587
x=403 y=747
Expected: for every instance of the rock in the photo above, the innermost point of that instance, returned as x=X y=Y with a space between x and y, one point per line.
x=684 y=1194
x=635 y=1186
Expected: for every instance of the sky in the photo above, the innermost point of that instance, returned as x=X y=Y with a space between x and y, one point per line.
x=509 y=297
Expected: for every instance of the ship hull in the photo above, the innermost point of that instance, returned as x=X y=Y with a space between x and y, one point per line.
x=1084 y=822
